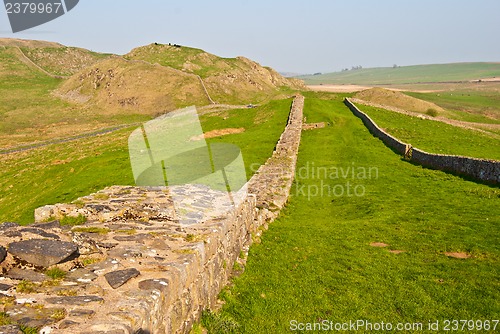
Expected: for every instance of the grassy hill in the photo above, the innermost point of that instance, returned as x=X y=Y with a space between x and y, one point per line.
x=228 y=80
x=408 y=74
x=48 y=90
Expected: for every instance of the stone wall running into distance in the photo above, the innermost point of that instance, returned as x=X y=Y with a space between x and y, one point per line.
x=487 y=171
x=131 y=267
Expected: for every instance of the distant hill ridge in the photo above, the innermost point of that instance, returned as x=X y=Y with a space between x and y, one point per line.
x=151 y=79
x=454 y=72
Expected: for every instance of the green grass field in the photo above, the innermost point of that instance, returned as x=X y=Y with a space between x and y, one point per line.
x=63 y=172
x=315 y=262
x=408 y=74
x=467 y=105
x=433 y=136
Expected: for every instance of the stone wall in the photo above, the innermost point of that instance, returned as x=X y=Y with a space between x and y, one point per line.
x=482 y=170
x=132 y=268
x=389 y=140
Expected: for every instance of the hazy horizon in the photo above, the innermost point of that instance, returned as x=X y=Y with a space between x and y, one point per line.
x=290 y=36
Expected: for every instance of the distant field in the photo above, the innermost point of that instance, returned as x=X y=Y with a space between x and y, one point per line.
x=408 y=74
x=467 y=105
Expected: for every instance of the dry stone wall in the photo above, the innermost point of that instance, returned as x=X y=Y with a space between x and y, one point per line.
x=132 y=268
x=482 y=170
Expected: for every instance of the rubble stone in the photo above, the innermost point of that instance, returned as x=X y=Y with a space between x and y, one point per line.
x=117 y=278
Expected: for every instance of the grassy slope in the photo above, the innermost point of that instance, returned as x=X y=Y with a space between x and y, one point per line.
x=409 y=74
x=63 y=60
x=25 y=101
x=315 y=261
x=62 y=173
x=30 y=113
x=433 y=136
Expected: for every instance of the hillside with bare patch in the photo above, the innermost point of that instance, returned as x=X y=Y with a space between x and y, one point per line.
x=400 y=100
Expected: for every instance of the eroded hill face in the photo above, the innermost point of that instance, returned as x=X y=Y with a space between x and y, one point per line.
x=120 y=85
x=158 y=78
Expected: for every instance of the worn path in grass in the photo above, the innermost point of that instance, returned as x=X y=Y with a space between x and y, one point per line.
x=317 y=261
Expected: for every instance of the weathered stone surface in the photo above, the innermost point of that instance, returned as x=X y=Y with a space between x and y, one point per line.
x=5 y=287
x=126 y=252
x=10 y=329
x=74 y=300
x=3 y=253
x=81 y=313
x=42 y=253
x=48 y=226
x=154 y=284
x=44 y=213
x=138 y=237
x=6 y=226
x=107 y=265
x=12 y=233
x=28 y=275
x=66 y=324
x=117 y=278
x=40 y=232
x=81 y=275
x=86 y=243
x=33 y=316
x=107 y=245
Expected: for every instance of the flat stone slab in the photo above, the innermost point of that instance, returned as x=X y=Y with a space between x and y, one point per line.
x=39 y=232
x=5 y=287
x=81 y=276
x=154 y=284
x=28 y=275
x=74 y=300
x=43 y=253
x=117 y=278
x=48 y=226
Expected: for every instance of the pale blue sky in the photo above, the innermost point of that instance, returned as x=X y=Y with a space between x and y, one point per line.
x=288 y=35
